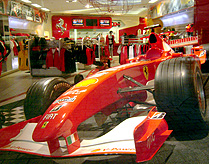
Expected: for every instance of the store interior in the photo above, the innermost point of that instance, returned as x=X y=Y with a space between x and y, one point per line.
x=45 y=39
x=29 y=32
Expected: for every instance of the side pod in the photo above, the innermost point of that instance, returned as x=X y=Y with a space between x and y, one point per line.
x=150 y=135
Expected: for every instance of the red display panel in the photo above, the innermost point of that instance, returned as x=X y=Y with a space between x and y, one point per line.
x=61 y=25
x=91 y=22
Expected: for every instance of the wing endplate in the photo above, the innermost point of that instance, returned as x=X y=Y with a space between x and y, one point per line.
x=150 y=135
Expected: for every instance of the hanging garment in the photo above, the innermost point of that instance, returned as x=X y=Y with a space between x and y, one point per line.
x=82 y=55
x=0 y=63
x=90 y=56
x=3 y=50
x=110 y=40
x=123 y=55
x=137 y=50
x=3 y=53
x=107 y=52
x=62 y=60
x=96 y=50
x=131 y=52
x=67 y=61
x=52 y=58
x=23 y=58
x=70 y=66
x=13 y=46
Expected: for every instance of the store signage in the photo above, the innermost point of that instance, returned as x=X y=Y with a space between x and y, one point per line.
x=61 y=25
x=78 y=22
x=104 y=22
x=116 y=24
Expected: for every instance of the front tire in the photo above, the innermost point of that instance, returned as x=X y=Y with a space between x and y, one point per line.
x=42 y=94
x=179 y=92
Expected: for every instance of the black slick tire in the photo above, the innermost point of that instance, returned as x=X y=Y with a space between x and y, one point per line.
x=179 y=92
x=78 y=78
x=41 y=94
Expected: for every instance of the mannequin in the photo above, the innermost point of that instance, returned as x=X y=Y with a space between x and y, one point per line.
x=110 y=42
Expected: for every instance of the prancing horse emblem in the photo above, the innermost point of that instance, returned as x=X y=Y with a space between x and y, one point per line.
x=146 y=72
x=60 y=25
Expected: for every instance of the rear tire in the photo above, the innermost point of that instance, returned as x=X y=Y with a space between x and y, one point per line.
x=78 y=78
x=179 y=92
x=42 y=94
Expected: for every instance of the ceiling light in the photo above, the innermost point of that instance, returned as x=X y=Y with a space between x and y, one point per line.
x=87 y=6
x=68 y=1
x=45 y=9
x=153 y=1
x=36 y=5
x=26 y=1
x=74 y=1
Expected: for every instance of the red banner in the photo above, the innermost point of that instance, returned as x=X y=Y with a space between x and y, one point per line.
x=61 y=25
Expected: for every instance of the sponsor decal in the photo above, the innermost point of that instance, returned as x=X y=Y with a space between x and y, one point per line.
x=150 y=140
x=202 y=53
x=114 y=149
x=146 y=72
x=57 y=86
x=158 y=115
x=56 y=108
x=44 y=124
x=16 y=148
x=72 y=138
x=50 y=116
x=75 y=92
x=95 y=150
x=67 y=99
x=87 y=82
x=99 y=74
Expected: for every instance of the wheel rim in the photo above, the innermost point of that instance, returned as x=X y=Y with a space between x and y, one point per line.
x=201 y=95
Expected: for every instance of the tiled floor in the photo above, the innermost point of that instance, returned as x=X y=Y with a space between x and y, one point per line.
x=12 y=90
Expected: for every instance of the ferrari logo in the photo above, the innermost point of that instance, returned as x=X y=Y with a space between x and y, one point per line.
x=62 y=26
x=44 y=124
x=146 y=72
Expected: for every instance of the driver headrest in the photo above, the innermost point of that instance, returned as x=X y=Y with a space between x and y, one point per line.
x=155 y=40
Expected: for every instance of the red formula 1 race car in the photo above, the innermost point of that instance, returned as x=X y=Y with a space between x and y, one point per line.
x=156 y=83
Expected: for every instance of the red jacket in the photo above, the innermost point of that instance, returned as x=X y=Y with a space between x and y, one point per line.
x=52 y=59
x=123 y=55
x=90 y=56
x=107 y=40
